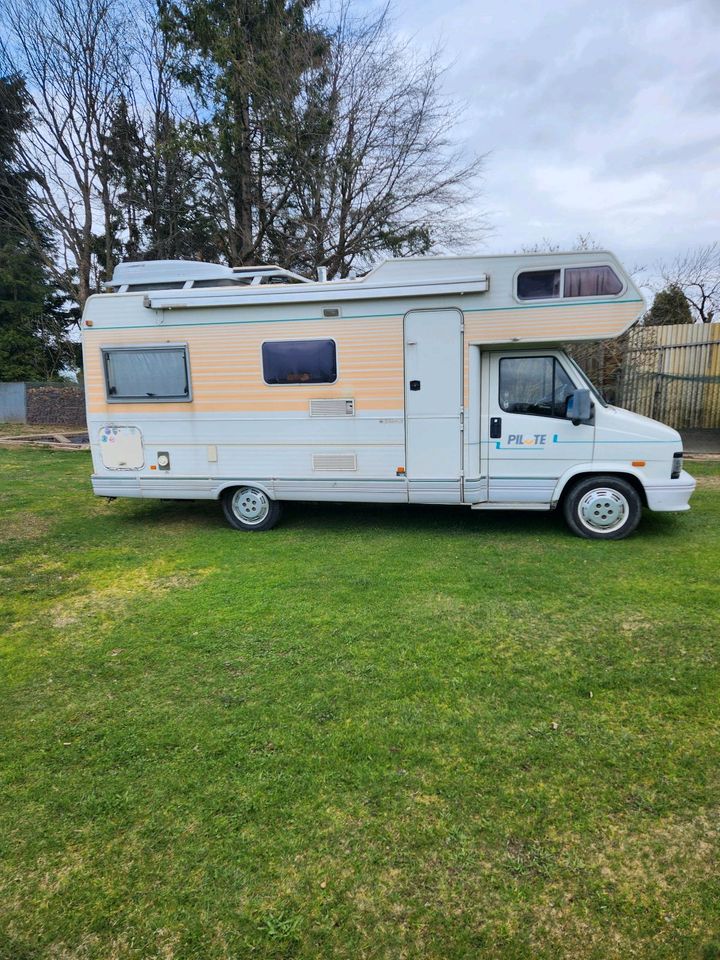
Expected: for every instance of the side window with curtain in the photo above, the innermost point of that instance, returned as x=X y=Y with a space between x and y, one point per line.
x=591 y=282
x=534 y=385
x=147 y=373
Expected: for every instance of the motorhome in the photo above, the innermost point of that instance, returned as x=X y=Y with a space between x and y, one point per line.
x=435 y=380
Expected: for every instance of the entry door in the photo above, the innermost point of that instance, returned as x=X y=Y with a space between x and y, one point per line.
x=530 y=442
x=433 y=405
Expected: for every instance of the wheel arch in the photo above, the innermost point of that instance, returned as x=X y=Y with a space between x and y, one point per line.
x=264 y=485
x=588 y=471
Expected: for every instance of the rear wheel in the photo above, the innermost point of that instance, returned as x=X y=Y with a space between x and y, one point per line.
x=250 y=509
x=602 y=508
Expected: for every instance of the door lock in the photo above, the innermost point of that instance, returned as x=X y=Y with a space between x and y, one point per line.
x=414 y=384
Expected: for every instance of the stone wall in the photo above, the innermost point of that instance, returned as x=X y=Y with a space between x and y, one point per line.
x=61 y=405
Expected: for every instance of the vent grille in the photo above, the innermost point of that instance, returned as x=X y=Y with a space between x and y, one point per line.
x=332 y=408
x=332 y=462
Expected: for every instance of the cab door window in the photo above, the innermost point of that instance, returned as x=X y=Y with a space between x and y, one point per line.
x=538 y=386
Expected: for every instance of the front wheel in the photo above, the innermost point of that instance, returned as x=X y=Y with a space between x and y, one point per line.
x=602 y=508
x=250 y=509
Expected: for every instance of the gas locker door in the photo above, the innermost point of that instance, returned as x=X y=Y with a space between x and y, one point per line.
x=433 y=405
x=530 y=442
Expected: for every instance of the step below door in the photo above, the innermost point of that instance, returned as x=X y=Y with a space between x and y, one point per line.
x=433 y=405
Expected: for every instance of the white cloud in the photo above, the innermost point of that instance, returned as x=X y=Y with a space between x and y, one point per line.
x=599 y=118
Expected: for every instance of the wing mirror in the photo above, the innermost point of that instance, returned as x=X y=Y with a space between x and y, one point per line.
x=578 y=407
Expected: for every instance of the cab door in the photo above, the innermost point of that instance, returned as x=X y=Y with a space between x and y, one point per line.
x=530 y=441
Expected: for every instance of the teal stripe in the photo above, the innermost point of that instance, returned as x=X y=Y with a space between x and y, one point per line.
x=356 y=316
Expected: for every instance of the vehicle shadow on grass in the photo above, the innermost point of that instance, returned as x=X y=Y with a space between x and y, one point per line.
x=318 y=517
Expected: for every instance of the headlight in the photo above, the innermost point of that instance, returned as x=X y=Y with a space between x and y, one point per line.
x=676 y=465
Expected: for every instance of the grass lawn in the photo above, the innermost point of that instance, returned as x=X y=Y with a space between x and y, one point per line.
x=375 y=732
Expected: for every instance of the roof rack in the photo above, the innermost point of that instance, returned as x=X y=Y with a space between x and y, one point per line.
x=135 y=276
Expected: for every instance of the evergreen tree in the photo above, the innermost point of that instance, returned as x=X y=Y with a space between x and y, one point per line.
x=669 y=306
x=325 y=144
x=243 y=61
x=33 y=326
x=162 y=205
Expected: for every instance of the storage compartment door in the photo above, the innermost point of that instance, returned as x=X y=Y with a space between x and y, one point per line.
x=121 y=448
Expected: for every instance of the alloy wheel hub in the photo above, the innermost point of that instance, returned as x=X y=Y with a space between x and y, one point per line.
x=604 y=510
x=250 y=505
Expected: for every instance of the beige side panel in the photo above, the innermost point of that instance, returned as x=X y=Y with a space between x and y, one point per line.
x=226 y=367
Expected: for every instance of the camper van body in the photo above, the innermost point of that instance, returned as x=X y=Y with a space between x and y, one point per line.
x=429 y=380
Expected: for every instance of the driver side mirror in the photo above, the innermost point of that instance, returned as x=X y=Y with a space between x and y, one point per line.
x=578 y=407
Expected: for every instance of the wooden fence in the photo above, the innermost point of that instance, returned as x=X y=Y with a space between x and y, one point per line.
x=670 y=373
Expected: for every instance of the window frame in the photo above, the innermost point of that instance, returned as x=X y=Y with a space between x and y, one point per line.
x=324 y=383
x=119 y=348
x=531 y=356
x=593 y=298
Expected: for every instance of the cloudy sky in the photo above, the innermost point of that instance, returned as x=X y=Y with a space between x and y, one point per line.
x=598 y=117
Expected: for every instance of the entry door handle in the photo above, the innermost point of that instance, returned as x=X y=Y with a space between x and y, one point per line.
x=414 y=384
x=495 y=428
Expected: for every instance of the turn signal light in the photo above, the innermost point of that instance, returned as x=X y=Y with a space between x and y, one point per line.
x=638 y=463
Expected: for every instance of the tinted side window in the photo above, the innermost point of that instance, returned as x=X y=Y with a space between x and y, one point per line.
x=299 y=361
x=538 y=284
x=534 y=385
x=591 y=282
x=150 y=373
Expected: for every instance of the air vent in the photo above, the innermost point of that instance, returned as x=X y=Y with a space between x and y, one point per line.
x=332 y=462
x=332 y=408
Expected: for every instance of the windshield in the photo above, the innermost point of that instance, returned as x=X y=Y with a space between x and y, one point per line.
x=591 y=386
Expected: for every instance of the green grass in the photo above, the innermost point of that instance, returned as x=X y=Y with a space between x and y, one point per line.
x=375 y=732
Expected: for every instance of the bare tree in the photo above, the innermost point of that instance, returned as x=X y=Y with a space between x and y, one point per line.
x=369 y=157
x=72 y=55
x=583 y=243
x=697 y=274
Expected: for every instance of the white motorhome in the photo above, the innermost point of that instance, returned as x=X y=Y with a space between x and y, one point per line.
x=428 y=380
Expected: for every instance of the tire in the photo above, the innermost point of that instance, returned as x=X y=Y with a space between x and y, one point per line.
x=602 y=508
x=250 y=509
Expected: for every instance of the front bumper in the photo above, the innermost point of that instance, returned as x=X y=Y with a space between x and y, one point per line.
x=670 y=495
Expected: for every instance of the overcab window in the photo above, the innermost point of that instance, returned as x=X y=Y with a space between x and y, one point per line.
x=538 y=284
x=599 y=281
x=147 y=373
x=591 y=282
x=299 y=361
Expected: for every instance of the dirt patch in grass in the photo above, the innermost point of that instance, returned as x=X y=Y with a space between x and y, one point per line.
x=28 y=526
x=708 y=483
x=32 y=429
x=630 y=871
x=107 y=601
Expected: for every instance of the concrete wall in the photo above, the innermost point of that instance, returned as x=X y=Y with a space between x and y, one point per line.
x=12 y=403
